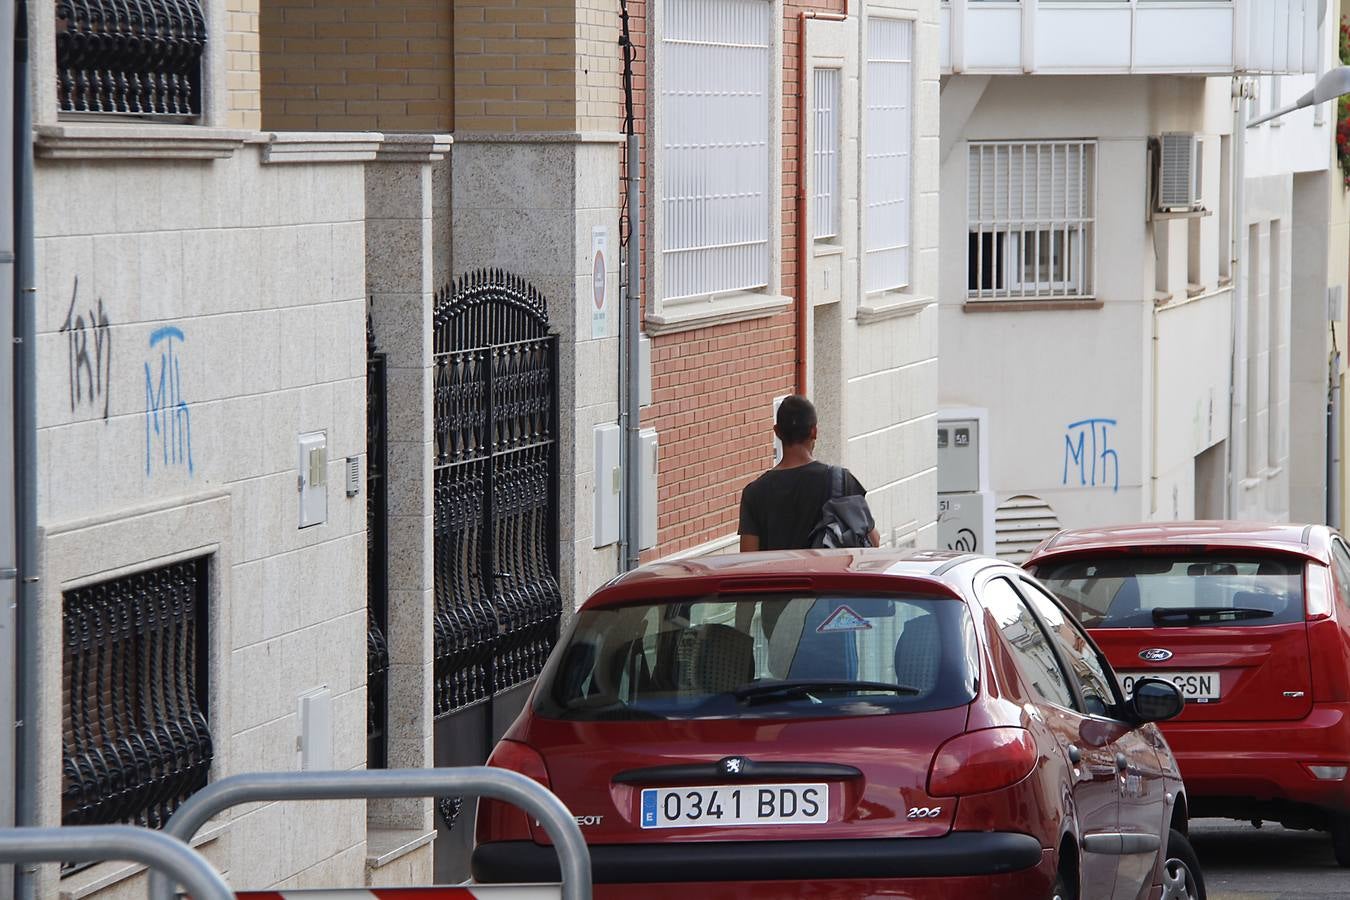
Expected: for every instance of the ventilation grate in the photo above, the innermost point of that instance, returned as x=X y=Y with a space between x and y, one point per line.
x=1020 y=524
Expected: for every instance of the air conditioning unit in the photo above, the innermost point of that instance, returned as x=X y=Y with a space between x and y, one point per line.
x=1178 y=172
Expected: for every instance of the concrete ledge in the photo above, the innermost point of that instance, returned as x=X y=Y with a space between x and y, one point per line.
x=386 y=845
x=687 y=315
x=104 y=875
x=892 y=305
x=413 y=147
x=1030 y=305
x=321 y=147
x=540 y=137
x=136 y=140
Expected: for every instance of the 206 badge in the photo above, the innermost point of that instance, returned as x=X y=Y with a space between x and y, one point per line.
x=1155 y=654
x=924 y=812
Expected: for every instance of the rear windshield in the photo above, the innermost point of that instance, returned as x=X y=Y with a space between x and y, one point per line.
x=1186 y=591
x=762 y=656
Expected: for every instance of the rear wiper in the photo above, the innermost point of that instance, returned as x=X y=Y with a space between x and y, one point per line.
x=1198 y=614
x=766 y=690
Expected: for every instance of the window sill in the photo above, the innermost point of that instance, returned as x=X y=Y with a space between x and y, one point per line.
x=831 y=247
x=1031 y=304
x=719 y=309
x=386 y=845
x=321 y=147
x=104 y=875
x=890 y=305
x=136 y=141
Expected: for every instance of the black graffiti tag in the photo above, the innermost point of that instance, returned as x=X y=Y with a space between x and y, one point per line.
x=88 y=374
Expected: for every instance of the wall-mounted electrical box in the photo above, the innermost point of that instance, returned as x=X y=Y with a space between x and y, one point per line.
x=315 y=741
x=353 y=475
x=608 y=485
x=313 y=478
x=647 y=478
x=958 y=455
x=965 y=500
x=644 y=370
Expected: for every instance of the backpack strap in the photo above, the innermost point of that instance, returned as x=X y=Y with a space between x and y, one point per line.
x=836 y=482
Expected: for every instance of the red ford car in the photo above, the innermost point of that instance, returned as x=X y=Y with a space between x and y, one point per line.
x=1252 y=622
x=843 y=724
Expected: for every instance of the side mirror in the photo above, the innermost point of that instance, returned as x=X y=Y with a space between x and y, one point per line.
x=1156 y=700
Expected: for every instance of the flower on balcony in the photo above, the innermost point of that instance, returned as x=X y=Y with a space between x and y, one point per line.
x=1343 y=112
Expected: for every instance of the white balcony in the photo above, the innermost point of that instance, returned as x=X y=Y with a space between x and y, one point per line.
x=1200 y=37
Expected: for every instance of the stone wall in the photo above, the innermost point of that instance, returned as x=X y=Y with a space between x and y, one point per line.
x=196 y=317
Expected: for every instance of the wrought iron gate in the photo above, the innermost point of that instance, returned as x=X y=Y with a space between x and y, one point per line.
x=496 y=481
x=377 y=558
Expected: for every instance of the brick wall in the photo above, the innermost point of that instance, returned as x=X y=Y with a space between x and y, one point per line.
x=599 y=66
x=515 y=65
x=242 y=62
x=357 y=65
x=713 y=388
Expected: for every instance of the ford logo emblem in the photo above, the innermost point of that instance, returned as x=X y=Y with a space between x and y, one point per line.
x=1155 y=654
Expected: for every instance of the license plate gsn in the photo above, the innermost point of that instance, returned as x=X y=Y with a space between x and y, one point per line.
x=1196 y=687
x=755 y=804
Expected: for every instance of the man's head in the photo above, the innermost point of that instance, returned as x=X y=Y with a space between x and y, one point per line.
x=796 y=422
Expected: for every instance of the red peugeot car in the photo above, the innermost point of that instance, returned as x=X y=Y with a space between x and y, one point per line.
x=1252 y=622
x=843 y=724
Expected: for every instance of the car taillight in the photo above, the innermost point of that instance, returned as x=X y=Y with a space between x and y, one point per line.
x=981 y=761
x=498 y=821
x=1317 y=594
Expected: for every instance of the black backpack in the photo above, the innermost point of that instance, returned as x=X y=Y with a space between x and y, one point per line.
x=844 y=521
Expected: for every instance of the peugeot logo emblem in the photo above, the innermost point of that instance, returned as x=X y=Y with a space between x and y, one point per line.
x=733 y=765
x=1155 y=654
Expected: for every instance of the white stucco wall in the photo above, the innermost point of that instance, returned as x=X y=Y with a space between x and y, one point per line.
x=1051 y=373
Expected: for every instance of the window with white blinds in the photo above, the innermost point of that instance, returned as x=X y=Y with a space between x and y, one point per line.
x=1030 y=210
x=713 y=172
x=888 y=145
x=825 y=158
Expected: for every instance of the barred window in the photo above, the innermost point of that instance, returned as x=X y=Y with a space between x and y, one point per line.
x=825 y=214
x=135 y=738
x=140 y=58
x=1030 y=210
x=888 y=140
x=713 y=177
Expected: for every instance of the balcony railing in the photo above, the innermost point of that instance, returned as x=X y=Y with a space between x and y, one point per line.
x=1209 y=37
x=139 y=58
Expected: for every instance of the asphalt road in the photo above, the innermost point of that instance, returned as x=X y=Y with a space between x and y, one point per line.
x=1273 y=863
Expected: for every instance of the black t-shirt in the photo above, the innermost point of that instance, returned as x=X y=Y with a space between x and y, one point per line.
x=782 y=506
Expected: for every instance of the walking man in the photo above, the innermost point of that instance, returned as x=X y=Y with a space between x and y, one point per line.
x=781 y=508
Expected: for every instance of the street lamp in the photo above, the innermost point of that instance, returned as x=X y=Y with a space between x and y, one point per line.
x=1330 y=86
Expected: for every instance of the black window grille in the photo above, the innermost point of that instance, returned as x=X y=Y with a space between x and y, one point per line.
x=377 y=560
x=130 y=57
x=135 y=739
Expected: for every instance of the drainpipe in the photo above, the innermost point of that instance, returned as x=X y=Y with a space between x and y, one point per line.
x=25 y=452
x=1242 y=90
x=630 y=321
x=1333 y=454
x=802 y=306
x=8 y=561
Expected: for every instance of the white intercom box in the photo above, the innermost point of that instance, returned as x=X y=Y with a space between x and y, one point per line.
x=647 y=478
x=313 y=478
x=608 y=485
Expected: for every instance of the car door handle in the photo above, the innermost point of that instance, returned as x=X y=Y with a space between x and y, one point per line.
x=1075 y=755
x=1121 y=762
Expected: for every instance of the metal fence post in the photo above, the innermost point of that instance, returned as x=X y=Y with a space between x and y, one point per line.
x=173 y=860
x=499 y=784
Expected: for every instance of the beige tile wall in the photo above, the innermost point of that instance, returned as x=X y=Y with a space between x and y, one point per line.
x=357 y=65
x=243 y=63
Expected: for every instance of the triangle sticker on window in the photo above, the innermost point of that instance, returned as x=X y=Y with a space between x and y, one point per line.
x=843 y=619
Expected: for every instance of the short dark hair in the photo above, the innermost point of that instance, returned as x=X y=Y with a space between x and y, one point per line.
x=796 y=417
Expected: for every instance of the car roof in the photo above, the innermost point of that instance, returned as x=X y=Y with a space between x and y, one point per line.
x=1310 y=541
x=928 y=571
